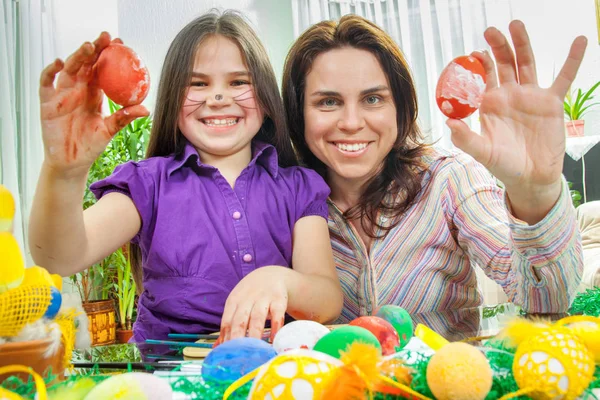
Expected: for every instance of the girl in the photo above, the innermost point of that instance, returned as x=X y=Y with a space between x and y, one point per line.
x=218 y=210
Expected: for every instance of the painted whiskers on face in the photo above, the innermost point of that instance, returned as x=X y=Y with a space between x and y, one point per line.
x=247 y=95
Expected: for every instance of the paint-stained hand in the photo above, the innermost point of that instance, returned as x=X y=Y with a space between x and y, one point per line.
x=262 y=295
x=74 y=131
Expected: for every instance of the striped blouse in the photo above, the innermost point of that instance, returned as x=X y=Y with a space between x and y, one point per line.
x=459 y=221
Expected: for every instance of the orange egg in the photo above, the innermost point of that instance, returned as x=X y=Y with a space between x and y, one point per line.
x=460 y=87
x=122 y=75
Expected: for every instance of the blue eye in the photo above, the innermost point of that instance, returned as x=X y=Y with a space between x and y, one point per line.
x=372 y=100
x=329 y=102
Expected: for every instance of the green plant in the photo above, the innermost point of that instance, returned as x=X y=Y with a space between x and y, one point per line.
x=129 y=144
x=575 y=109
x=125 y=288
x=575 y=196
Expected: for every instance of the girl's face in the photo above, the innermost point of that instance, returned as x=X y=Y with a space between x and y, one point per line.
x=349 y=114
x=220 y=114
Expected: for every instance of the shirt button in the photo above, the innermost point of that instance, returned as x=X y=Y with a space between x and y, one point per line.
x=237 y=215
x=247 y=258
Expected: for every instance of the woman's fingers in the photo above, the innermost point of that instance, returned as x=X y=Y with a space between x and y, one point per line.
x=503 y=53
x=491 y=79
x=567 y=74
x=524 y=52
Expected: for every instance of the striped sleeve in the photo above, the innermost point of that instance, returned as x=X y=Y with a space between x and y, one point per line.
x=538 y=266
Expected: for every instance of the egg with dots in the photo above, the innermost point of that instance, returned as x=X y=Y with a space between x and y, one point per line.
x=460 y=87
x=122 y=75
x=383 y=331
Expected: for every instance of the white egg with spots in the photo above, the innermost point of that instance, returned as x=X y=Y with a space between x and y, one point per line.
x=300 y=334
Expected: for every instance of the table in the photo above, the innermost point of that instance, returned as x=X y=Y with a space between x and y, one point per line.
x=454 y=325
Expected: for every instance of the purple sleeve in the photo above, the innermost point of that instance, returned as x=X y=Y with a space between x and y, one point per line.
x=131 y=180
x=311 y=194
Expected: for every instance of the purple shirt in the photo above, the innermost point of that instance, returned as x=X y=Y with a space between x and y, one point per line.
x=199 y=237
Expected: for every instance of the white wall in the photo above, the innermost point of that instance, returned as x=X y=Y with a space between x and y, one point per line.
x=149 y=26
x=552 y=26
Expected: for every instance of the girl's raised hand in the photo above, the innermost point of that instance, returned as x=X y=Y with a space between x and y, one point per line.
x=73 y=129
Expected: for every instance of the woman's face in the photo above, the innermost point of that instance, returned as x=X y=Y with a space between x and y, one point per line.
x=349 y=114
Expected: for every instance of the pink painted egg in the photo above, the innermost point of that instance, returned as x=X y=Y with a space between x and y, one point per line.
x=384 y=332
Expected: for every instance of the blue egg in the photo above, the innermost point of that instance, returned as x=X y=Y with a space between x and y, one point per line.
x=54 y=303
x=235 y=358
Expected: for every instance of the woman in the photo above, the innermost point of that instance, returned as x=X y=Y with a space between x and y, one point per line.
x=409 y=223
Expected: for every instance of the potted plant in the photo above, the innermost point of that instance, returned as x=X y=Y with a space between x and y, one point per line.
x=125 y=291
x=576 y=107
x=99 y=284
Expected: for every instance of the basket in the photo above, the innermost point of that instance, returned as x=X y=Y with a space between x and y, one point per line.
x=102 y=324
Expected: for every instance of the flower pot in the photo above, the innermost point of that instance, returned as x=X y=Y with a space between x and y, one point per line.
x=31 y=354
x=102 y=326
x=575 y=128
x=123 y=335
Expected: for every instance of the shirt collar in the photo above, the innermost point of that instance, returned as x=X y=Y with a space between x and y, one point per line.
x=262 y=153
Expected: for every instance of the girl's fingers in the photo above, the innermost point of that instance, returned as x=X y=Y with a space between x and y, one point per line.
x=277 y=311
x=77 y=59
x=47 y=80
x=124 y=116
x=256 y=326
x=239 y=322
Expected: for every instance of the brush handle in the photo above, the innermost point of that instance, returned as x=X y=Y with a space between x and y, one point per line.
x=180 y=344
x=192 y=336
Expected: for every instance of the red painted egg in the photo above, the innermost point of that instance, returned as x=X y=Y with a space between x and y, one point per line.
x=383 y=331
x=460 y=88
x=122 y=75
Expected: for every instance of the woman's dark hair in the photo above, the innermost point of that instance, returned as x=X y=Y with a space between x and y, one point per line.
x=400 y=170
x=166 y=138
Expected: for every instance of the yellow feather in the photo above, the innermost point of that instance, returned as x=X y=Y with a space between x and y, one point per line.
x=520 y=329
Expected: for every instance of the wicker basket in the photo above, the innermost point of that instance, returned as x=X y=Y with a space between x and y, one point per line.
x=102 y=325
x=30 y=354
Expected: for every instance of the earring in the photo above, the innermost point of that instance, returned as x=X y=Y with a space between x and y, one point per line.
x=218 y=97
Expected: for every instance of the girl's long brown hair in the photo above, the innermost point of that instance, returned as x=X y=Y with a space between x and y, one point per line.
x=400 y=170
x=166 y=138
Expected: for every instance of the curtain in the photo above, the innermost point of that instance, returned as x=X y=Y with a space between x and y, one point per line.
x=26 y=46
x=430 y=33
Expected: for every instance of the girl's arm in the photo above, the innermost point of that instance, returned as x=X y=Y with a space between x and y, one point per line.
x=62 y=237
x=311 y=290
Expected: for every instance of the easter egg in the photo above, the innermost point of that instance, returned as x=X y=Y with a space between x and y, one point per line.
x=122 y=75
x=13 y=266
x=460 y=87
x=37 y=276
x=459 y=371
x=55 y=303
x=300 y=334
x=587 y=329
x=235 y=358
x=74 y=390
x=555 y=364
x=400 y=320
x=338 y=340
x=383 y=331
x=131 y=386
x=7 y=209
x=295 y=374
x=6 y=394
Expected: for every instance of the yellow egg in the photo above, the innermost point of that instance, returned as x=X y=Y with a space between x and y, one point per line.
x=459 y=371
x=7 y=209
x=6 y=394
x=11 y=263
x=57 y=279
x=555 y=364
x=296 y=374
x=587 y=328
x=37 y=276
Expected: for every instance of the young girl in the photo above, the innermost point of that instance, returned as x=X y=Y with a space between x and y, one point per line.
x=231 y=233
